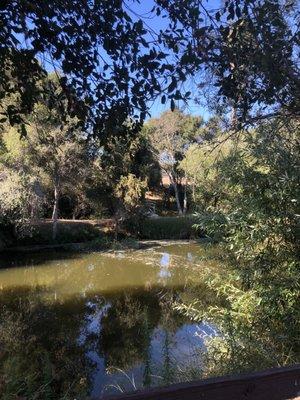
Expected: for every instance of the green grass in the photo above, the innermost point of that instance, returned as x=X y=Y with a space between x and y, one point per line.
x=169 y=228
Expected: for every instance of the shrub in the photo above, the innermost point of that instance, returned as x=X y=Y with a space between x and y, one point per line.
x=169 y=228
x=66 y=233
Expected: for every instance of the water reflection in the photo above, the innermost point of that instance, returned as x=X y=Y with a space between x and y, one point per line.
x=95 y=324
x=164 y=272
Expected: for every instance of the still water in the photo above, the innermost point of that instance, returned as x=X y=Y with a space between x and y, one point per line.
x=77 y=324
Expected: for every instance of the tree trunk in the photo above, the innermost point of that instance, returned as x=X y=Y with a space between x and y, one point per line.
x=173 y=180
x=116 y=228
x=185 y=199
x=55 y=208
x=194 y=190
x=75 y=213
x=33 y=210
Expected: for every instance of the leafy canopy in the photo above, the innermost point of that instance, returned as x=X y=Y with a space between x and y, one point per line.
x=111 y=62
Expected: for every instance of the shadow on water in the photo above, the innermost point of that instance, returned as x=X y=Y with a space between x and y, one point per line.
x=21 y=259
x=9 y=259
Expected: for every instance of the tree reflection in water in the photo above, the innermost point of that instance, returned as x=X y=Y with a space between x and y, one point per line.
x=97 y=323
x=85 y=346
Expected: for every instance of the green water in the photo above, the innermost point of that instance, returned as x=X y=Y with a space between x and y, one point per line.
x=96 y=323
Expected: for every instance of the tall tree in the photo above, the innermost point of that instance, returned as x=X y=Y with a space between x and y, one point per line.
x=54 y=154
x=170 y=135
x=62 y=158
x=201 y=159
x=20 y=194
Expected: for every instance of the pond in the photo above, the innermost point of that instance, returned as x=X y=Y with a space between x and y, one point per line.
x=77 y=324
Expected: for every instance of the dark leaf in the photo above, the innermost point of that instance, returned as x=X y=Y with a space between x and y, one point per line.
x=172 y=105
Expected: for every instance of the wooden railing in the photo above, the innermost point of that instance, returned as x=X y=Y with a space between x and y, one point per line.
x=274 y=384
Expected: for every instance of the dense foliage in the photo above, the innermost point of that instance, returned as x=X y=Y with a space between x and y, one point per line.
x=55 y=172
x=113 y=61
x=254 y=212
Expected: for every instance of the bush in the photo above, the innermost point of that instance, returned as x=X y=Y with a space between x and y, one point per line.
x=169 y=228
x=6 y=235
x=67 y=232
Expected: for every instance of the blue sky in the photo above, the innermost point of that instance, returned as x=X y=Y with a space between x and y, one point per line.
x=191 y=108
x=157 y=23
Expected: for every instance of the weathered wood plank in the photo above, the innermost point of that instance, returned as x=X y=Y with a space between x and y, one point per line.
x=274 y=384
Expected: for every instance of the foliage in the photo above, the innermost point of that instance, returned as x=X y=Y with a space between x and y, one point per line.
x=55 y=169
x=52 y=159
x=18 y=198
x=232 y=52
x=131 y=191
x=121 y=156
x=14 y=195
x=169 y=136
x=113 y=62
x=168 y=228
x=110 y=65
x=258 y=222
x=201 y=165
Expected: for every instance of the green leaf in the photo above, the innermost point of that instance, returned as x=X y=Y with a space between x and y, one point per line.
x=23 y=131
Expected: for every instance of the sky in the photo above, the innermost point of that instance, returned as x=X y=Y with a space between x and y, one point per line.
x=157 y=23
x=156 y=108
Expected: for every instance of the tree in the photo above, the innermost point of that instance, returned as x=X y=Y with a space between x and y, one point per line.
x=256 y=221
x=62 y=159
x=111 y=63
x=53 y=157
x=170 y=135
x=201 y=162
x=123 y=155
x=16 y=196
x=20 y=194
x=244 y=53
x=131 y=190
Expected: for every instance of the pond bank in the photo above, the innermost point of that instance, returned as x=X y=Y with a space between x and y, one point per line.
x=92 y=246
x=81 y=234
